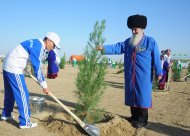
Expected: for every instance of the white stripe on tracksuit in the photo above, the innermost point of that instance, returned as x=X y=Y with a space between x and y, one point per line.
x=39 y=70
x=16 y=90
x=23 y=96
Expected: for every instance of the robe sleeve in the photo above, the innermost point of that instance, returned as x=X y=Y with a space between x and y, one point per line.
x=117 y=48
x=156 y=60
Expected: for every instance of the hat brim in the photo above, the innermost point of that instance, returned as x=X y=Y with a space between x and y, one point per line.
x=58 y=47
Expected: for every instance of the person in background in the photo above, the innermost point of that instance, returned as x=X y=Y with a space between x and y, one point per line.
x=179 y=67
x=167 y=63
x=165 y=68
x=53 y=64
x=113 y=65
x=141 y=55
x=14 y=81
x=167 y=56
x=109 y=62
x=74 y=62
x=162 y=58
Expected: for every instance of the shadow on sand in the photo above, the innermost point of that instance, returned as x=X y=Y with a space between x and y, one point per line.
x=168 y=130
x=114 y=84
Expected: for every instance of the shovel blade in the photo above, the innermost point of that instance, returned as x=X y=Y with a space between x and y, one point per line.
x=92 y=130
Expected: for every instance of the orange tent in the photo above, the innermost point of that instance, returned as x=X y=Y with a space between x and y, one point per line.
x=77 y=57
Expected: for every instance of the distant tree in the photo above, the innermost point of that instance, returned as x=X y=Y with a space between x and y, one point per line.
x=63 y=62
x=176 y=73
x=188 y=72
x=90 y=79
x=188 y=69
x=121 y=67
x=120 y=64
x=155 y=83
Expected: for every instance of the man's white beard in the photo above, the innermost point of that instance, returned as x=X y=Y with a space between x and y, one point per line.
x=135 y=39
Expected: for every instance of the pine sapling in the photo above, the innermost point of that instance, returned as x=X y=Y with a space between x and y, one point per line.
x=63 y=62
x=90 y=79
x=176 y=73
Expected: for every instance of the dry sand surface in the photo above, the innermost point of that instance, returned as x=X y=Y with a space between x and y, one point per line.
x=170 y=115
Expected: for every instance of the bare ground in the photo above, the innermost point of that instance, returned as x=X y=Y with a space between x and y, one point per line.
x=168 y=117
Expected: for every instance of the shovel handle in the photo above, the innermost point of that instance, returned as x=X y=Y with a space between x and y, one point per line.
x=82 y=124
x=168 y=79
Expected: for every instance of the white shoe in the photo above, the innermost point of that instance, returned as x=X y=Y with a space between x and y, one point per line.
x=30 y=125
x=7 y=118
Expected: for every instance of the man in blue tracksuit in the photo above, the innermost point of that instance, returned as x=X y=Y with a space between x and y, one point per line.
x=141 y=55
x=14 y=82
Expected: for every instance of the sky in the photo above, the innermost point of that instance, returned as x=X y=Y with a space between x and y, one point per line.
x=73 y=20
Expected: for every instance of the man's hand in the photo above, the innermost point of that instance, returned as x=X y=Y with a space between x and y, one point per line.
x=45 y=90
x=99 y=47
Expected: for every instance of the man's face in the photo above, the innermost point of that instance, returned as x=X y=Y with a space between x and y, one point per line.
x=137 y=34
x=168 y=54
x=50 y=45
x=136 y=31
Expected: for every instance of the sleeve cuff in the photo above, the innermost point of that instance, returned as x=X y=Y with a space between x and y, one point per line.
x=43 y=84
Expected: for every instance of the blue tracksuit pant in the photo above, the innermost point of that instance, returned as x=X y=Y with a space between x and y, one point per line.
x=16 y=90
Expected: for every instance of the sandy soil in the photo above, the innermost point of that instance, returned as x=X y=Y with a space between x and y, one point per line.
x=169 y=115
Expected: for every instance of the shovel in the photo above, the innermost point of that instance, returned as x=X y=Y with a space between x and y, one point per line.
x=167 y=86
x=90 y=129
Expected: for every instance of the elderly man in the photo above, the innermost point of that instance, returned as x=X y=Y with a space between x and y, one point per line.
x=14 y=81
x=141 y=55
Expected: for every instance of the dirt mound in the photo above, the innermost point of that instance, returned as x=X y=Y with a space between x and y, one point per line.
x=117 y=126
x=112 y=125
x=62 y=124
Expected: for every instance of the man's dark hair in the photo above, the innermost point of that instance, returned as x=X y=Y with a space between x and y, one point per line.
x=53 y=42
x=45 y=38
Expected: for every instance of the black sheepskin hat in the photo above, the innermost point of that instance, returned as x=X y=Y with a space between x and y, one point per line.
x=138 y=21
